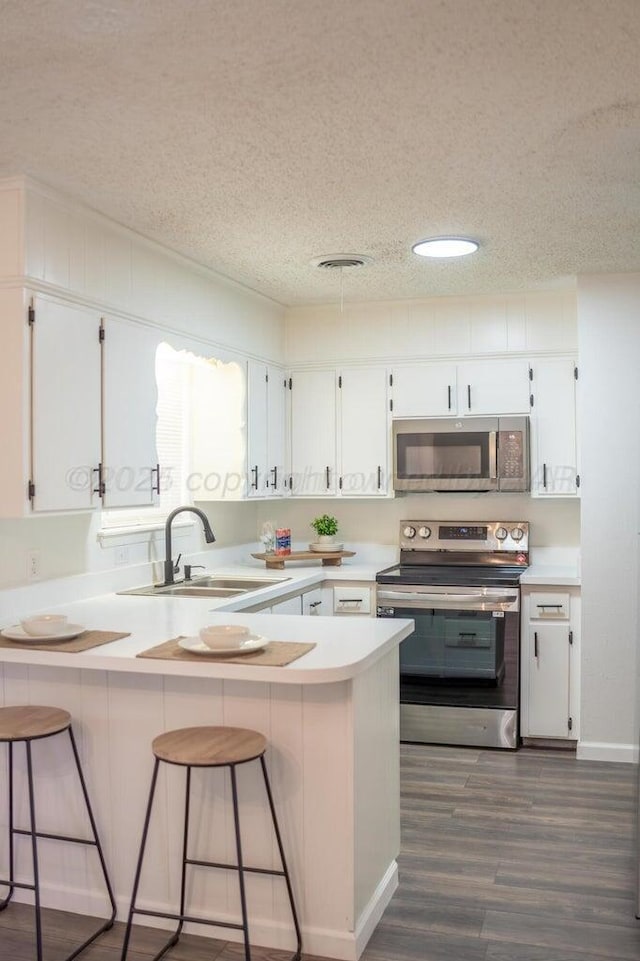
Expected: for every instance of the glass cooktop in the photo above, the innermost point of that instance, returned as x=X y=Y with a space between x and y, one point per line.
x=447 y=575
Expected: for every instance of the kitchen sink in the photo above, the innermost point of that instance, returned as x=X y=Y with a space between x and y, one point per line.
x=208 y=586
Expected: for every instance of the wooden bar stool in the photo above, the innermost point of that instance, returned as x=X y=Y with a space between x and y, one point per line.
x=210 y=747
x=24 y=725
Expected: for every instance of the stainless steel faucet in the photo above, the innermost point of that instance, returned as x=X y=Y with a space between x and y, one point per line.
x=209 y=537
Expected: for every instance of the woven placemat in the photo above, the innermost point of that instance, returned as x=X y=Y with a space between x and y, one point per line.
x=83 y=642
x=275 y=654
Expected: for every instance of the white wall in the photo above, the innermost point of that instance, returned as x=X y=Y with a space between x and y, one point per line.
x=527 y=323
x=53 y=245
x=553 y=522
x=609 y=346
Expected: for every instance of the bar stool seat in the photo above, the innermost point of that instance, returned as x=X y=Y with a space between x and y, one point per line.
x=210 y=747
x=25 y=724
x=30 y=723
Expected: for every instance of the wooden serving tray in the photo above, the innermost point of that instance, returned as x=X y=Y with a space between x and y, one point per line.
x=328 y=558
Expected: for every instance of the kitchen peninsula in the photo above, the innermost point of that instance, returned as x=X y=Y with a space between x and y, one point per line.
x=331 y=719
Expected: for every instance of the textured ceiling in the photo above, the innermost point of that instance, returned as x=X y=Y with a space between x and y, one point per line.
x=253 y=135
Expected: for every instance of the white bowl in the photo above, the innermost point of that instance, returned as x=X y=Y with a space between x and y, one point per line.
x=43 y=625
x=224 y=635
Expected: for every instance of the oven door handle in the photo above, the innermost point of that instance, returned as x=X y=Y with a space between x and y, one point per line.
x=463 y=598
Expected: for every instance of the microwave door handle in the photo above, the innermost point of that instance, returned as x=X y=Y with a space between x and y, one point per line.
x=493 y=454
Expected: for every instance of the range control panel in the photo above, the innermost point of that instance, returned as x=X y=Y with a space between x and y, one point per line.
x=423 y=535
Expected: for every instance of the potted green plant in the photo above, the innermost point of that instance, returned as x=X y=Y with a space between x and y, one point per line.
x=326 y=527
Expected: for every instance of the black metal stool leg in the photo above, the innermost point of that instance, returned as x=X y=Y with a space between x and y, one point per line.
x=173 y=940
x=9 y=895
x=34 y=851
x=109 y=922
x=136 y=882
x=283 y=860
x=243 y=899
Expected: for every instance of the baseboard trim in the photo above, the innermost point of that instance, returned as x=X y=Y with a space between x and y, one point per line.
x=605 y=751
x=376 y=907
x=324 y=942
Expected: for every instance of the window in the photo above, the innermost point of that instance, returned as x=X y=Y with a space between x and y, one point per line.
x=200 y=434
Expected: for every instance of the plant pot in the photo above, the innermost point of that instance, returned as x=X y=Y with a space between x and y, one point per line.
x=325 y=539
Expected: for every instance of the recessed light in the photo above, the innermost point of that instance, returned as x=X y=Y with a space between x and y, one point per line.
x=445 y=247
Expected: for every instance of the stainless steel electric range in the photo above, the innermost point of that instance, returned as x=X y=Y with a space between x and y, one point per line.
x=460 y=669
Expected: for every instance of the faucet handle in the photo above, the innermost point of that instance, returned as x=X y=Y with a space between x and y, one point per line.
x=176 y=566
x=188 y=568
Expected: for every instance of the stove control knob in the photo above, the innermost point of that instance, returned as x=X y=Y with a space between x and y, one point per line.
x=502 y=533
x=409 y=532
x=517 y=533
x=425 y=532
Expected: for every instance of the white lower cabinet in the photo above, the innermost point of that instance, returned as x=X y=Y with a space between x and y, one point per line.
x=550 y=664
x=292 y=605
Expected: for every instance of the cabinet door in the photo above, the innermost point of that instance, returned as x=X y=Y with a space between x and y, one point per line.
x=364 y=433
x=293 y=605
x=313 y=433
x=427 y=390
x=313 y=602
x=65 y=415
x=494 y=387
x=553 y=426
x=130 y=397
x=257 y=470
x=276 y=432
x=548 y=687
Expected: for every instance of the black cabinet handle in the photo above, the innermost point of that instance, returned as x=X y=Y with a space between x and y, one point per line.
x=544 y=476
x=315 y=604
x=101 y=489
x=274 y=483
x=155 y=488
x=449 y=397
x=379 y=477
x=469 y=396
x=328 y=478
x=254 y=482
x=535 y=644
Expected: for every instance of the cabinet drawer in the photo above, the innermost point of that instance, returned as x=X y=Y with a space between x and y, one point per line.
x=549 y=606
x=352 y=600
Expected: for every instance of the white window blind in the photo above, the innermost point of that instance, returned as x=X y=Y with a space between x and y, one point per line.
x=199 y=434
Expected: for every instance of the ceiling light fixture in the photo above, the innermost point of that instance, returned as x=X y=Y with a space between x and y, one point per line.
x=445 y=247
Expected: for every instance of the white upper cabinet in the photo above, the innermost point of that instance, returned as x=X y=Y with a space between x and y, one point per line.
x=364 y=432
x=266 y=431
x=313 y=433
x=493 y=387
x=257 y=466
x=425 y=390
x=65 y=413
x=276 y=432
x=130 y=459
x=554 y=469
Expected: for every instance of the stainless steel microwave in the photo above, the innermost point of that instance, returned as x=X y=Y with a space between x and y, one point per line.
x=466 y=454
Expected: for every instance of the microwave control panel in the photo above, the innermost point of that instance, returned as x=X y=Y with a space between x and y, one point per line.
x=421 y=535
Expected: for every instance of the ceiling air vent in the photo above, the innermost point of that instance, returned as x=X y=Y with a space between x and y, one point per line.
x=341 y=261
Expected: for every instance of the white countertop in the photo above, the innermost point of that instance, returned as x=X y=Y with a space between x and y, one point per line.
x=344 y=646
x=551 y=575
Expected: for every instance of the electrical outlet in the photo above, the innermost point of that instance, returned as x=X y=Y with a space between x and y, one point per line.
x=122 y=556
x=33 y=565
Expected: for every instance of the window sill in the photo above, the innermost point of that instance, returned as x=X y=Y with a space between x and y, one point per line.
x=130 y=533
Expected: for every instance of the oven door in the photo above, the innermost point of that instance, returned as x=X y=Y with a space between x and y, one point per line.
x=445 y=455
x=459 y=632
x=459 y=671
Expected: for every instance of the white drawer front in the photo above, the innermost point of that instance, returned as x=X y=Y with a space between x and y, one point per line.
x=549 y=606
x=352 y=600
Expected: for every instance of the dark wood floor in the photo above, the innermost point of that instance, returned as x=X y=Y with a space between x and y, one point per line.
x=505 y=857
